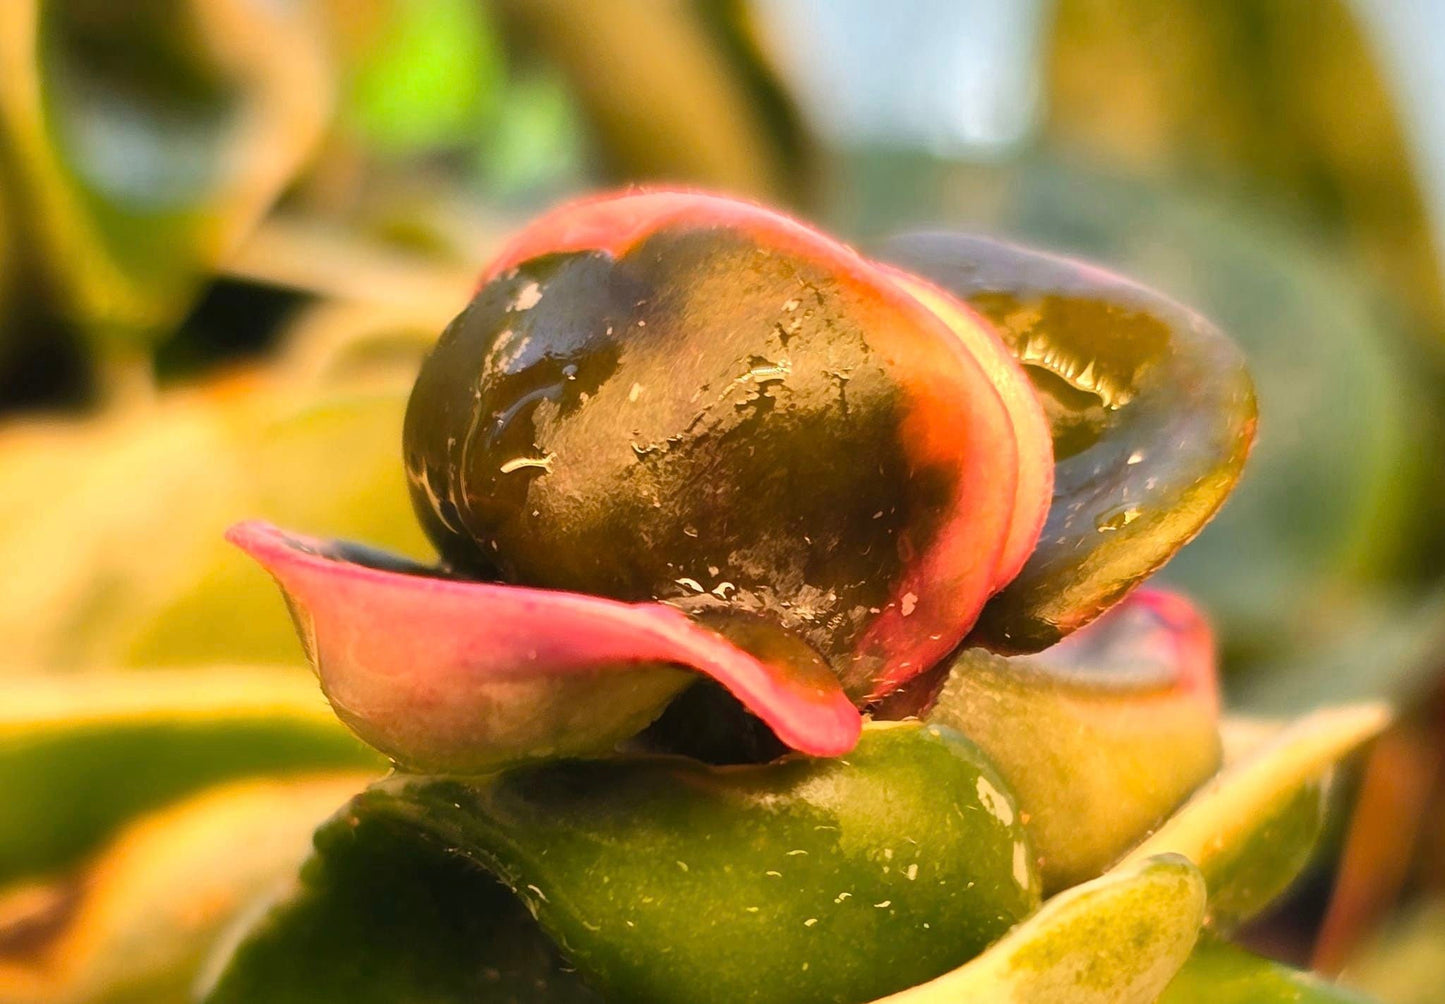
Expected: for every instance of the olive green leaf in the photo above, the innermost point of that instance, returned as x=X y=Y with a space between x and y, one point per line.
x=1098 y=742
x=146 y=138
x=664 y=879
x=81 y=753
x=140 y=918
x=380 y=914
x=1152 y=411
x=1252 y=828
x=1116 y=940
x=1219 y=973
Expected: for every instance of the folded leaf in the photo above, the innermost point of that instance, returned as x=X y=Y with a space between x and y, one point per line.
x=1116 y=940
x=465 y=676
x=1219 y=973
x=1100 y=736
x=663 y=879
x=632 y=401
x=1152 y=411
x=1252 y=828
x=80 y=754
x=147 y=910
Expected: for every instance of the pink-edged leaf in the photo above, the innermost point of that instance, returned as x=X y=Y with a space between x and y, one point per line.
x=679 y=396
x=452 y=675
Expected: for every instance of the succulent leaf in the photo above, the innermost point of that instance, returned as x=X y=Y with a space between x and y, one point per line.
x=1252 y=827
x=80 y=754
x=453 y=675
x=664 y=396
x=663 y=879
x=1100 y=736
x=1152 y=412
x=1118 y=939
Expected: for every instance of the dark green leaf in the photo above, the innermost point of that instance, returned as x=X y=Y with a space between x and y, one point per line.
x=1152 y=411
x=664 y=879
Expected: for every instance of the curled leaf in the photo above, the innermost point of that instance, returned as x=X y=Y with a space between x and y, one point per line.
x=662 y=879
x=665 y=396
x=1116 y=940
x=1100 y=736
x=1152 y=412
x=465 y=676
x=1252 y=827
x=80 y=754
x=147 y=910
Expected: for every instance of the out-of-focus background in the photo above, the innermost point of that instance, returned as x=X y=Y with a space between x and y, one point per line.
x=230 y=228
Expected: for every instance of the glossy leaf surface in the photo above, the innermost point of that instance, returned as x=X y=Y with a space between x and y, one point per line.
x=1219 y=973
x=800 y=881
x=80 y=754
x=1100 y=736
x=379 y=914
x=147 y=910
x=1116 y=940
x=664 y=396
x=1252 y=827
x=1152 y=411
x=465 y=676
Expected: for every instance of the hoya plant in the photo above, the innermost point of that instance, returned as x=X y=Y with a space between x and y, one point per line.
x=787 y=642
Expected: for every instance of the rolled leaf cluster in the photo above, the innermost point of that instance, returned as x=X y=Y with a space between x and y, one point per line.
x=785 y=644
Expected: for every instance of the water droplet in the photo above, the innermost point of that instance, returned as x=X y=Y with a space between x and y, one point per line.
x=635 y=392
x=523 y=463
x=527 y=297
x=1136 y=457
x=909 y=603
x=1117 y=519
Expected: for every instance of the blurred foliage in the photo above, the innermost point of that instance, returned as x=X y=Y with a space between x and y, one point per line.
x=136 y=924
x=81 y=754
x=144 y=140
x=1279 y=97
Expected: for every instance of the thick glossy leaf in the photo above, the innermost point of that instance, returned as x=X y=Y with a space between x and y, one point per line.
x=1116 y=940
x=79 y=754
x=1100 y=736
x=453 y=675
x=797 y=881
x=381 y=914
x=142 y=916
x=632 y=401
x=1219 y=973
x=1152 y=410
x=1336 y=398
x=1251 y=828
x=147 y=141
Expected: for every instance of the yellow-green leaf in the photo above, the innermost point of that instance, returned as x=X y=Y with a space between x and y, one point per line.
x=1252 y=827
x=1116 y=940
